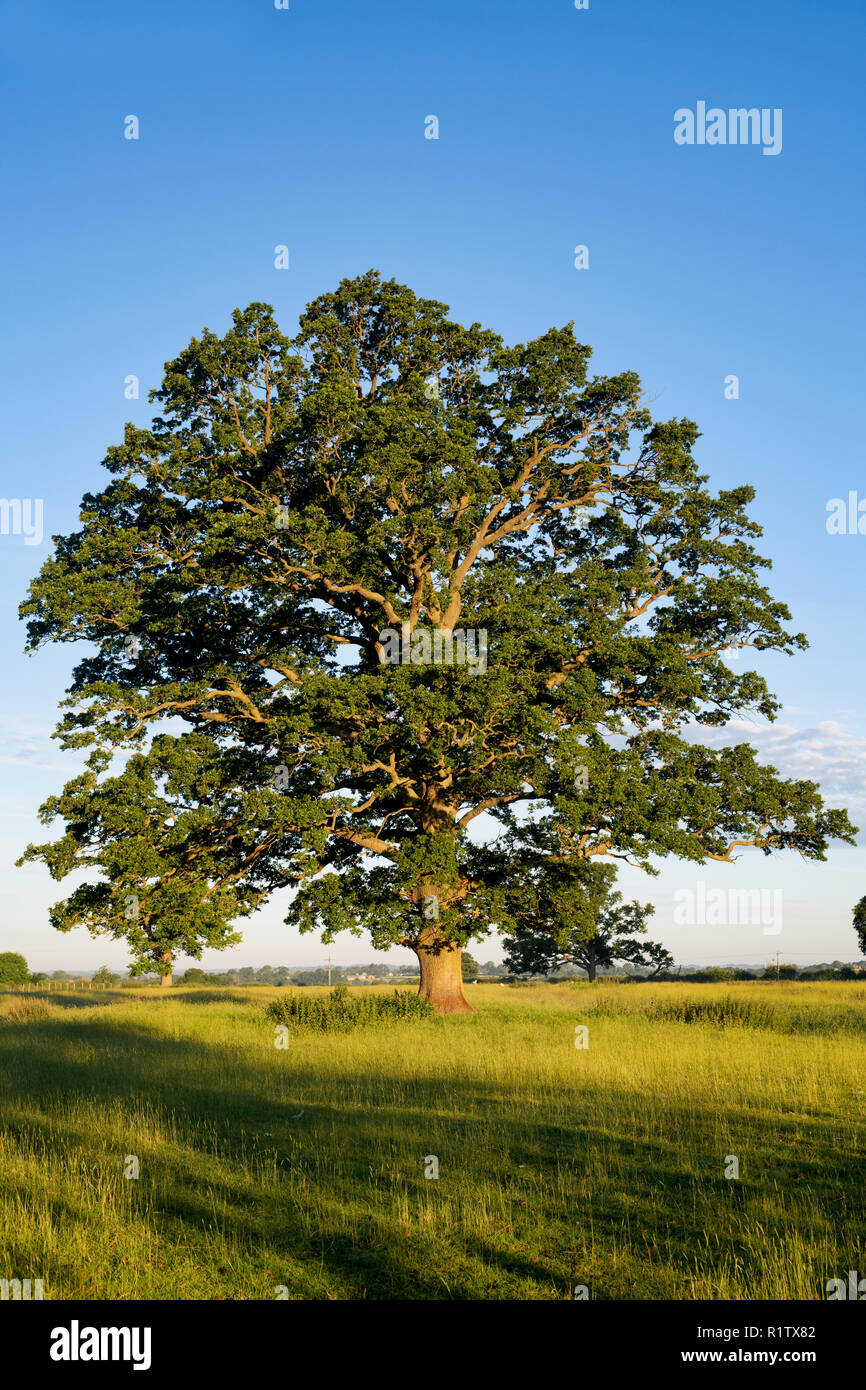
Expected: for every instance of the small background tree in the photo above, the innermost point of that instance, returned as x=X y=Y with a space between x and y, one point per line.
x=469 y=966
x=13 y=969
x=106 y=976
x=860 y=923
x=565 y=912
x=784 y=971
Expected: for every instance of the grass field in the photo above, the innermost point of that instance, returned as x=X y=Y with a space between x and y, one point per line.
x=559 y=1166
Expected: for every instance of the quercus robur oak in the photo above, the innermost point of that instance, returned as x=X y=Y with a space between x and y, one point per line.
x=391 y=471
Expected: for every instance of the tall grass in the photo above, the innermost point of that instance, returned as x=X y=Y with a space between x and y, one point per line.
x=341 y=1009
x=785 y=1008
x=304 y=1168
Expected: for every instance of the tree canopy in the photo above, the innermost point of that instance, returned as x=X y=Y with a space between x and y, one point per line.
x=351 y=592
x=13 y=968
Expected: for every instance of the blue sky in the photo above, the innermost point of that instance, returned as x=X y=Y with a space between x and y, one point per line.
x=305 y=127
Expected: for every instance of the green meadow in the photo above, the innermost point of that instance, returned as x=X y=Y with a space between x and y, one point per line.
x=299 y=1171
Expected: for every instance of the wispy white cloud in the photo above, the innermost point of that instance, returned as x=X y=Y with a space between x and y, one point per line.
x=828 y=753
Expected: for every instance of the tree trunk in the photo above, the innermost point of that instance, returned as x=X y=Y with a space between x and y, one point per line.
x=590 y=966
x=438 y=956
x=165 y=961
x=442 y=978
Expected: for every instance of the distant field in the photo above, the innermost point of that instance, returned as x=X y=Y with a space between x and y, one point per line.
x=558 y=1166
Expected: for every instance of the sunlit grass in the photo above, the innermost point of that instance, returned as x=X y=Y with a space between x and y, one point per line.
x=302 y=1168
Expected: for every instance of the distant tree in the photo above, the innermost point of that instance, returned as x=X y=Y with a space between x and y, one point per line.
x=469 y=966
x=310 y=977
x=195 y=976
x=563 y=911
x=13 y=969
x=266 y=976
x=491 y=968
x=860 y=923
x=231 y=977
x=60 y=975
x=105 y=976
x=37 y=977
x=785 y=971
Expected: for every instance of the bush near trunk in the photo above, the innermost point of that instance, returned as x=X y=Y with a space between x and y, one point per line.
x=340 y=1011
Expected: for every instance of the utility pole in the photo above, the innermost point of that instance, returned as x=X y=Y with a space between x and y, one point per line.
x=777 y=965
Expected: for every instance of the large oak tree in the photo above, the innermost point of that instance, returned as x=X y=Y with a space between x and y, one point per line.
x=241 y=579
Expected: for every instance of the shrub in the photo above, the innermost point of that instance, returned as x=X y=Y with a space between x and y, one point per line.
x=340 y=1010
x=727 y=1013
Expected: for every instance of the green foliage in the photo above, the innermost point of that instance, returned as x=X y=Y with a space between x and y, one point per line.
x=106 y=976
x=468 y=966
x=726 y=1013
x=342 y=1010
x=860 y=923
x=310 y=977
x=296 y=500
x=562 y=911
x=714 y=974
x=13 y=968
x=783 y=971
